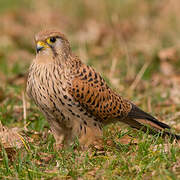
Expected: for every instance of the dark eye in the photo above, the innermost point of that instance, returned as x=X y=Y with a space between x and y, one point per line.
x=52 y=39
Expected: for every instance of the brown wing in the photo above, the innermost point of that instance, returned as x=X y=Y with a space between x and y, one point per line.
x=92 y=92
x=90 y=89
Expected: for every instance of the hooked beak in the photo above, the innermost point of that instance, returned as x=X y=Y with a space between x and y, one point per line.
x=40 y=45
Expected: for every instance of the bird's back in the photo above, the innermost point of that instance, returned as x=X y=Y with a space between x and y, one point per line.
x=93 y=93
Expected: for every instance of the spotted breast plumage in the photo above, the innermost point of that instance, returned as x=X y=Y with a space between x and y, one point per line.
x=74 y=98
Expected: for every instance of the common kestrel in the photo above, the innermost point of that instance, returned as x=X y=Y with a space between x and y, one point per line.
x=74 y=98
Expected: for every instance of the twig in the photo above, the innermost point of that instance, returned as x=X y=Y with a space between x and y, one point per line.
x=139 y=76
x=24 y=106
x=113 y=67
x=149 y=104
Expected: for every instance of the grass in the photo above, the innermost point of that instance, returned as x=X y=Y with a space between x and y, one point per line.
x=117 y=40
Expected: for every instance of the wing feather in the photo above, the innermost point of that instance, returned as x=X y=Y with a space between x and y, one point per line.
x=92 y=92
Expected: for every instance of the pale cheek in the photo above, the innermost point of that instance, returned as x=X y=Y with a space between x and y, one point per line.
x=58 y=43
x=58 y=47
x=45 y=53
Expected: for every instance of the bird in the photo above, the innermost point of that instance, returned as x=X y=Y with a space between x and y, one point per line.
x=75 y=99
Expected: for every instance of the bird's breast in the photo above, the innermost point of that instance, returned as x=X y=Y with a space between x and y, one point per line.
x=48 y=87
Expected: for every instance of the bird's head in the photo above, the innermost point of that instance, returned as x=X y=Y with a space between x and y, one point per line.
x=51 y=43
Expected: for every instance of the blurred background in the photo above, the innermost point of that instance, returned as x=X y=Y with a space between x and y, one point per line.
x=135 y=45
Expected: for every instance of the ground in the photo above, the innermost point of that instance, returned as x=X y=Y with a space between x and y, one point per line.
x=134 y=45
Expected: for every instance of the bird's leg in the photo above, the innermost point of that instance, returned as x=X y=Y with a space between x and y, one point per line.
x=58 y=133
x=89 y=135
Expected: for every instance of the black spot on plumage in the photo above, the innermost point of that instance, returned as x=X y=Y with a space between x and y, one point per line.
x=90 y=74
x=118 y=111
x=95 y=77
x=81 y=74
x=84 y=70
x=65 y=96
x=44 y=97
x=85 y=122
x=84 y=129
x=84 y=78
x=96 y=81
x=90 y=80
x=93 y=103
x=70 y=110
x=63 y=117
x=89 y=115
x=89 y=100
x=97 y=105
x=82 y=96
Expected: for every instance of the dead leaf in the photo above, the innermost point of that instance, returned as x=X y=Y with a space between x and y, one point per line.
x=10 y=138
x=127 y=140
x=166 y=68
x=99 y=144
x=168 y=54
x=45 y=157
x=176 y=166
x=93 y=172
